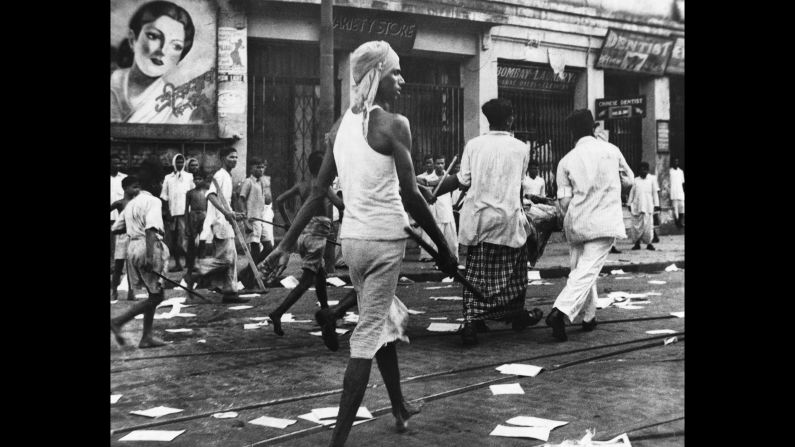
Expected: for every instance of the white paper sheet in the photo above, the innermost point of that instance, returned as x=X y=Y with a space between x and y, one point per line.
x=249 y=295
x=444 y=327
x=141 y=295
x=618 y=272
x=115 y=398
x=623 y=277
x=183 y=283
x=530 y=421
x=541 y=433
x=678 y=314
x=654 y=281
x=330 y=303
x=447 y=298
x=628 y=306
x=653 y=294
x=177 y=331
x=668 y=341
x=438 y=318
x=539 y=283
x=438 y=287
x=329 y=422
x=602 y=303
x=448 y=279
x=268 y=421
x=661 y=331
x=114 y=301
x=416 y=312
x=201 y=341
x=256 y=325
x=509 y=388
x=259 y=318
x=339 y=332
x=533 y=275
x=335 y=281
x=331 y=412
x=225 y=415
x=185 y=315
x=672 y=268
x=239 y=307
x=289 y=282
x=156 y=412
x=520 y=369
x=347 y=287
x=152 y=435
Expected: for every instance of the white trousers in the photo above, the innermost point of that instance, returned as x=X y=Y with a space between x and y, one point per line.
x=450 y=236
x=579 y=295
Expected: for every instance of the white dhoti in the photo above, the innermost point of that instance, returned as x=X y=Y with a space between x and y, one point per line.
x=642 y=226
x=579 y=295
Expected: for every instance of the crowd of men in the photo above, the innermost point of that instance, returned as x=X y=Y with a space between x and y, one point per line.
x=489 y=202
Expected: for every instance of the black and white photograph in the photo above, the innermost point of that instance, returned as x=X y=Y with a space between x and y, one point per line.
x=397 y=223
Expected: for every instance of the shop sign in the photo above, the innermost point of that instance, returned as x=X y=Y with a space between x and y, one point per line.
x=620 y=108
x=635 y=52
x=353 y=27
x=676 y=65
x=534 y=77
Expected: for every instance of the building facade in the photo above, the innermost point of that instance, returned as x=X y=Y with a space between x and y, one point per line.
x=623 y=59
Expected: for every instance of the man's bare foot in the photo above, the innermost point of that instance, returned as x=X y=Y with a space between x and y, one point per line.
x=151 y=342
x=408 y=410
x=116 y=329
x=328 y=324
x=277 y=324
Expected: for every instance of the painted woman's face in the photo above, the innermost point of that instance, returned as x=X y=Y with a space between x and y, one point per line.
x=159 y=46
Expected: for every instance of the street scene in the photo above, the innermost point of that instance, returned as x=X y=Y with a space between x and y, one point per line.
x=397 y=223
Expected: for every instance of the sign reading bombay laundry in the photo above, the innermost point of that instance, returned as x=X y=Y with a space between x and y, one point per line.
x=620 y=108
x=676 y=65
x=353 y=27
x=635 y=52
x=534 y=77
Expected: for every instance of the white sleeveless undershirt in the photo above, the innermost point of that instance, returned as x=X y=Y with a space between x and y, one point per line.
x=370 y=186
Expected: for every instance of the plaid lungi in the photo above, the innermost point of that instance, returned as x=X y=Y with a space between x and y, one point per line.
x=500 y=274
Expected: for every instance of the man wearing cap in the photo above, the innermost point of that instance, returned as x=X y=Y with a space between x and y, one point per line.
x=370 y=149
x=589 y=196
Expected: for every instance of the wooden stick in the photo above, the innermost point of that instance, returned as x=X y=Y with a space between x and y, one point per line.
x=192 y=292
x=285 y=227
x=446 y=173
x=240 y=238
x=457 y=275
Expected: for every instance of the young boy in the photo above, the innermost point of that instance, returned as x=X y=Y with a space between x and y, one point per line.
x=533 y=186
x=142 y=220
x=196 y=211
x=643 y=202
x=254 y=196
x=131 y=189
x=311 y=243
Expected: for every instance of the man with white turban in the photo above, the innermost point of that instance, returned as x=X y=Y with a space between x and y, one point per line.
x=370 y=149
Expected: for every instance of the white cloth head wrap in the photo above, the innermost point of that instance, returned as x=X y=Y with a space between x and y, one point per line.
x=370 y=63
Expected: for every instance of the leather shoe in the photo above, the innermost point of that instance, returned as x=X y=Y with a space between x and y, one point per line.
x=468 y=335
x=556 y=321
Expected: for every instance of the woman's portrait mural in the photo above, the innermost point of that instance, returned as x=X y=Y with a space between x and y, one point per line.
x=162 y=61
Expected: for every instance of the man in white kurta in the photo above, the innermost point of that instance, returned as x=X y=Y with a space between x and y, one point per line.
x=425 y=178
x=643 y=201
x=442 y=210
x=175 y=189
x=589 y=195
x=677 y=176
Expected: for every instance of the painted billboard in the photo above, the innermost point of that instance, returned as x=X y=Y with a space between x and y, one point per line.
x=163 y=61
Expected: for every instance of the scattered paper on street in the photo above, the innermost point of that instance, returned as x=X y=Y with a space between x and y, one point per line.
x=406 y=280
x=618 y=272
x=668 y=341
x=530 y=421
x=541 y=433
x=249 y=295
x=619 y=441
x=678 y=314
x=114 y=301
x=661 y=331
x=653 y=294
x=225 y=415
x=672 y=268
x=239 y=307
x=520 y=369
x=152 y=435
x=115 y=398
x=339 y=331
x=256 y=325
x=156 y=412
x=335 y=281
x=510 y=388
x=141 y=295
x=259 y=318
x=444 y=327
x=312 y=418
x=185 y=315
x=602 y=303
x=438 y=287
x=201 y=341
x=448 y=279
x=447 y=298
x=183 y=283
x=416 y=312
x=438 y=318
x=540 y=283
x=533 y=274
x=177 y=331
x=289 y=282
x=627 y=306
x=331 y=412
x=654 y=281
x=350 y=317
x=623 y=277
x=329 y=302
x=268 y=421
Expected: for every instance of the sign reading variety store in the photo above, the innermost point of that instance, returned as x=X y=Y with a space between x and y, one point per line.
x=353 y=26
x=635 y=52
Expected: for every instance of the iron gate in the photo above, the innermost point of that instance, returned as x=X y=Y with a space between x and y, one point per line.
x=540 y=120
x=436 y=115
x=626 y=133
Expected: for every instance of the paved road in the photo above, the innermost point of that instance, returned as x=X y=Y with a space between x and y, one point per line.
x=249 y=371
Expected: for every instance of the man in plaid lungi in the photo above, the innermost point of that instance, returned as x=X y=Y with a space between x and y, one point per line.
x=493 y=224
